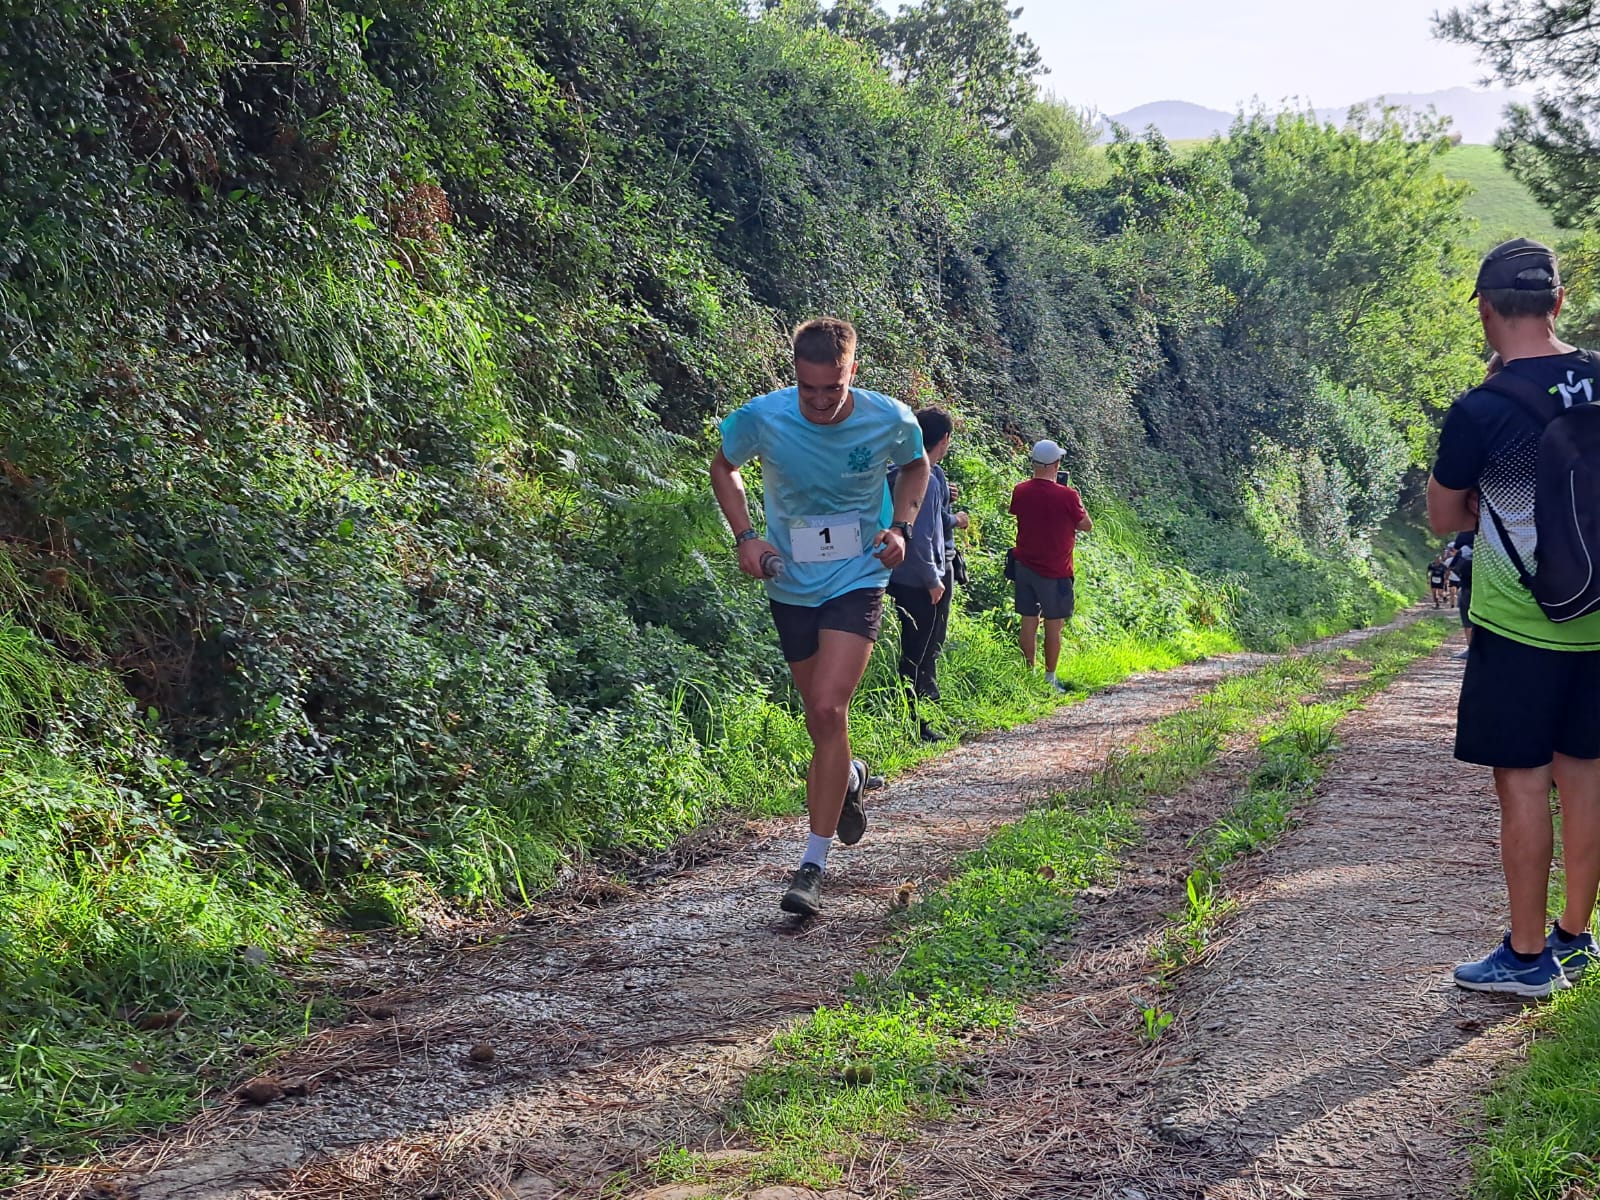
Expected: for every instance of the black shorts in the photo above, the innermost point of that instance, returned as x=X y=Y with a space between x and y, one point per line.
x=1464 y=605
x=800 y=626
x=1036 y=595
x=1521 y=705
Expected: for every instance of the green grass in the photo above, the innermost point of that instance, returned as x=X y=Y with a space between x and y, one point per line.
x=1503 y=206
x=123 y=986
x=891 y=1055
x=124 y=989
x=1544 y=1118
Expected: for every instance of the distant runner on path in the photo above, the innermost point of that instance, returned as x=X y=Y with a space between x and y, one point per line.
x=1436 y=576
x=1050 y=515
x=833 y=534
x=1530 y=696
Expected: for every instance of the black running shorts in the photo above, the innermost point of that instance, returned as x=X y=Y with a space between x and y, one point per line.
x=800 y=626
x=1521 y=705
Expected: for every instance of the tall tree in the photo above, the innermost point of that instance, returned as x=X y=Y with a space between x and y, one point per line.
x=1554 y=144
x=967 y=52
x=1049 y=135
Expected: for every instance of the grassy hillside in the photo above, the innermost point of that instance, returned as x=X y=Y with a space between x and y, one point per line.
x=1502 y=206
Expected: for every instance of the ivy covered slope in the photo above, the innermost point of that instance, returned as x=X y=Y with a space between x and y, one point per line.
x=357 y=364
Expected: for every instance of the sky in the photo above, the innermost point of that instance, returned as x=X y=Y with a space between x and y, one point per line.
x=1221 y=53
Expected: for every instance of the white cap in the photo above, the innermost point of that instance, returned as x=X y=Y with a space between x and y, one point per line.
x=1046 y=452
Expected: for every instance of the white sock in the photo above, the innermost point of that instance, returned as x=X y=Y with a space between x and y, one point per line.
x=1049 y=676
x=816 y=850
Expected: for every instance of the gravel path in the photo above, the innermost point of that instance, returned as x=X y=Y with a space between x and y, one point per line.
x=1321 y=1051
x=616 y=1030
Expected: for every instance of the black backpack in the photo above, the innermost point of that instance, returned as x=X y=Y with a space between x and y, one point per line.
x=1566 y=584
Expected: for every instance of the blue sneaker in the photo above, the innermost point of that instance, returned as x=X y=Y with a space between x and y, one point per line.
x=1503 y=971
x=1576 y=956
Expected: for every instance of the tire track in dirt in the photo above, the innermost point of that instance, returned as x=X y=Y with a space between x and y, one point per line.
x=1320 y=1051
x=618 y=1030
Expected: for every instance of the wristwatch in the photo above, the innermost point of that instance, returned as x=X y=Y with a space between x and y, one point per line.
x=749 y=535
x=904 y=527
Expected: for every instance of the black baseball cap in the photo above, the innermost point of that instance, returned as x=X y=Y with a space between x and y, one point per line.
x=1521 y=264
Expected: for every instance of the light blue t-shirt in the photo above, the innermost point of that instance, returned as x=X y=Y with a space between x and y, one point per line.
x=811 y=472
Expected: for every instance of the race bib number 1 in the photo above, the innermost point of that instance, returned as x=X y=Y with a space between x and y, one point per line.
x=825 y=539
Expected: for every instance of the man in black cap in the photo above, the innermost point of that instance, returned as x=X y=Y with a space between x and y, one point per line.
x=1530 y=697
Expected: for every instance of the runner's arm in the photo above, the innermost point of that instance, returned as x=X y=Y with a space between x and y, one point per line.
x=910 y=488
x=727 y=485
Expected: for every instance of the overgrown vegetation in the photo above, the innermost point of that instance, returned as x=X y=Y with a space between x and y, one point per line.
x=967 y=955
x=1544 y=1118
x=356 y=365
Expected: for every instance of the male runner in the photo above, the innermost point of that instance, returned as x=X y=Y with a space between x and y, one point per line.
x=833 y=533
x=1436 y=574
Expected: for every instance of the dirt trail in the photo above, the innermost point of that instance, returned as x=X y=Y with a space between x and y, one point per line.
x=617 y=1030
x=1321 y=1051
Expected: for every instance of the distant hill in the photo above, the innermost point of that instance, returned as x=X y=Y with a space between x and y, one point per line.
x=1178 y=120
x=1475 y=115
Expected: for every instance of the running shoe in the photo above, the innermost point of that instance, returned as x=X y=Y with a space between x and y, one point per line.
x=804 y=897
x=929 y=734
x=1503 y=971
x=1576 y=956
x=853 y=817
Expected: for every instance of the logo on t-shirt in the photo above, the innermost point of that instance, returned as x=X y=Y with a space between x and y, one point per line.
x=1570 y=389
x=860 y=459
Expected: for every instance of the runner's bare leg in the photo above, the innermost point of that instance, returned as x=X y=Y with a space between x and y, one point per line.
x=827 y=682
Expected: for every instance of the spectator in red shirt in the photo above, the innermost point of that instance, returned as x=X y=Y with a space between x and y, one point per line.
x=1050 y=516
